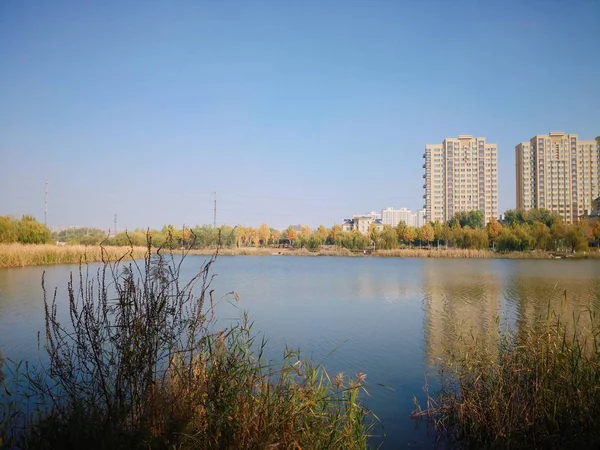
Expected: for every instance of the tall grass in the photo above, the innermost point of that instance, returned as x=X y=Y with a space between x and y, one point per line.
x=137 y=361
x=22 y=255
x=541 y=389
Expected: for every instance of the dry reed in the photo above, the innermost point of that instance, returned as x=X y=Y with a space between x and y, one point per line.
x=20 y=255
x=539 y=389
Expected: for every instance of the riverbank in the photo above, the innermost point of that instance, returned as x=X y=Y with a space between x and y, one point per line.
x=19 y=255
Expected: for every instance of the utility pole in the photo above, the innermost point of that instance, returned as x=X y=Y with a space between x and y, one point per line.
x=215 y=211
x=46 y=203
x=115 y=224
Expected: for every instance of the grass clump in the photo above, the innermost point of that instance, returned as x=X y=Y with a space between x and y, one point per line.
x=137 y=361
x=540 y=389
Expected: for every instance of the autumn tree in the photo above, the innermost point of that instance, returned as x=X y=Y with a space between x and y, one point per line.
x=401 y=231
x=493 y=229
x=334 y=232
x=427 y=233
x=275 y=235
x=263 y=233
x=291 y=234
x=321 y=233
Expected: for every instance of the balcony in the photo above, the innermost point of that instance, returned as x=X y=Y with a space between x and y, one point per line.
x=425 y=186
x=424 y=175
x=424 y=165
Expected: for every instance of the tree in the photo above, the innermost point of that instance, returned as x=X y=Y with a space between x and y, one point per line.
x=438 y=232
x=558 y=231
x=275 y=235
x=9 y=230
x=596 y=232
x=374 y=233
x=402 y=231
x=541 y=236
x=493 y=229
x=334 y=233
x=472 y=219
x=321 y=233
x=427 y=233
x=575 y=238
x=411 y=235
x=30 y=231
x=388 y=238
x=291 y=234
x=263 y=233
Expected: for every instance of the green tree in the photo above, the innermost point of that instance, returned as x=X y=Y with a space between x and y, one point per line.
x=575 y=238
x=472 y=219
x=388 y=238
x=9 y=230
x=374 y=233
x=542 y=239
x=30 y=231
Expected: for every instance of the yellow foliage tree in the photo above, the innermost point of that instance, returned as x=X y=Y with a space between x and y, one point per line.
x=263 y=234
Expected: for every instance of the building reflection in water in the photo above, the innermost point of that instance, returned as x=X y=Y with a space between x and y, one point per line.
x=461 y=300
x=475 y=301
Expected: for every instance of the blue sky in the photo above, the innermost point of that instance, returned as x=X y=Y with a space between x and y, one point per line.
x=295 y=111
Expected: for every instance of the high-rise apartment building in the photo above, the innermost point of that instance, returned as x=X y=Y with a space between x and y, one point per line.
x=558 y=172
x=461 y=174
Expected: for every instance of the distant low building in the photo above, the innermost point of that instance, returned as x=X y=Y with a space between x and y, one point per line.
x=362 y=222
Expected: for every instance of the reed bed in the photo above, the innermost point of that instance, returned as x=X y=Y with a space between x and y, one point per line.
x=138 y=361
x=540 y=389
x=20 y=255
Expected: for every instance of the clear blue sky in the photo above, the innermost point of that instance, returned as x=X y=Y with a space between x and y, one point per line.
x=296 y=111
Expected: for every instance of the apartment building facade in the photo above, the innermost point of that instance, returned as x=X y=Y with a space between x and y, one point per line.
x=391 y=216
x=461 y=174
x=558 y=172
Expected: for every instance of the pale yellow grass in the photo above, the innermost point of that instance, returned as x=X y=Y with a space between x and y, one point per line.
x=19 y=255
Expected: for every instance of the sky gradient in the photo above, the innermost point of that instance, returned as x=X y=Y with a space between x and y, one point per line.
x=296 y=112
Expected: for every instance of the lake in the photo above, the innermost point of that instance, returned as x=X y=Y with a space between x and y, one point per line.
x=390 y=318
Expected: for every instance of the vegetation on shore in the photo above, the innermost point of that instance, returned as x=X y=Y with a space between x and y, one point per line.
x=529 y=234
x=21 y=255
x=539 y=389
x=18 y=255
x=137 y=361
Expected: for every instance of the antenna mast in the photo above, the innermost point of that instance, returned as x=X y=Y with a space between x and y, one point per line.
x=215 y=211
x=115 y=224
x=46 y=203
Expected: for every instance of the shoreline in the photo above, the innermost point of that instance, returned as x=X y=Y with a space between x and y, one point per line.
x=19 y=255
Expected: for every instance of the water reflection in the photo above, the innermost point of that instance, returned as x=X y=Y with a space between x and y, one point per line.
x=464 y=299
x=460 y=299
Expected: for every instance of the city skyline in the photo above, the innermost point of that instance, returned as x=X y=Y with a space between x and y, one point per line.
x=296 y=113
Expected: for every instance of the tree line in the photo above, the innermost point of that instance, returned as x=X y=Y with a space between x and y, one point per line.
x=518 y=231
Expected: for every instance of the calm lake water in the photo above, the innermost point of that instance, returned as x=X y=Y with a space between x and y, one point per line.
x=390 y=318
